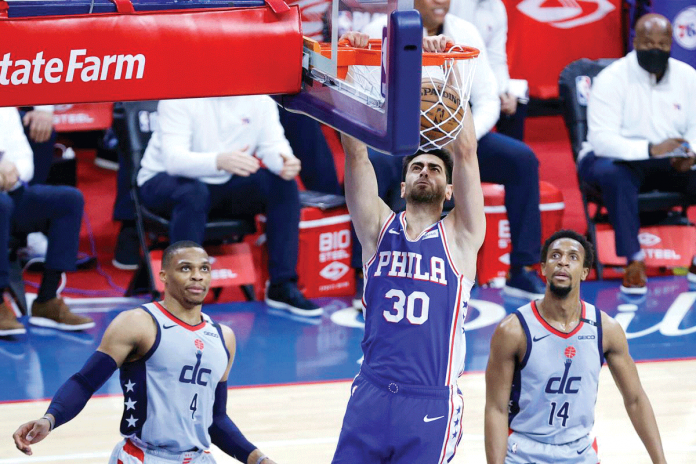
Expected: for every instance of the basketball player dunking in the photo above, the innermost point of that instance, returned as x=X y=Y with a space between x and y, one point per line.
x=543 y=371
x=405 y=406
x=174 y=364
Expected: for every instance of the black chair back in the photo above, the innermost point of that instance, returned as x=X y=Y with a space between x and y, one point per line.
x=134 y=123
x=574 y=85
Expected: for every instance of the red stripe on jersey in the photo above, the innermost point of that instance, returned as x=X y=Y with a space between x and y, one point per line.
x=455 y=325
x=554 y=330
x=133 y=450
x=175 y=319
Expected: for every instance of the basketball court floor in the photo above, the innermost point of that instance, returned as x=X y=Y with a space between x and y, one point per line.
x=291 y=377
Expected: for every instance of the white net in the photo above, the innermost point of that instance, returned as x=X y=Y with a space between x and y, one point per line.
x=445 y=92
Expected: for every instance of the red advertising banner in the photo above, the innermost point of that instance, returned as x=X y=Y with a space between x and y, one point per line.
x=493 y=260
x=546 y=35
x=149 y=55
x=83 y=117
x=664 y=246
x=325 y=251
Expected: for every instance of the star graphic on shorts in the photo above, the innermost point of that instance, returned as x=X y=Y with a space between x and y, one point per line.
x=131 y=421
x=456 y=422
x=458 y=409
x=130 y=404
x=129 y=386
x=454 y=435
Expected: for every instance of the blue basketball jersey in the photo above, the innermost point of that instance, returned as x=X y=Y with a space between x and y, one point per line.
x=169 y=393
x=415 y=302
x=554 y=388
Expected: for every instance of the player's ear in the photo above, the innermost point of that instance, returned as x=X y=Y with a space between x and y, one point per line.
x=403 y=189
x=449 y=190
x=543 y=269
x=585 y=272
x=162 y=276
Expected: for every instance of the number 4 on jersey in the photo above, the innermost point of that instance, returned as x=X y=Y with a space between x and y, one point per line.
x=193 y=405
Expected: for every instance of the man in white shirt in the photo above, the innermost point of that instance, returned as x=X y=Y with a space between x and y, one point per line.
x=490 y=18
x=502 y=159
x=54 y=210
x=205 y=159
x=38 y=127
x=641 y=110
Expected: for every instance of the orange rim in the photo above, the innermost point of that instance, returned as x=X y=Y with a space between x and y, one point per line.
x=372 y=56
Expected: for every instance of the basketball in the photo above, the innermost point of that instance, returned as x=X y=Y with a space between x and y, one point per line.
x=441 y=112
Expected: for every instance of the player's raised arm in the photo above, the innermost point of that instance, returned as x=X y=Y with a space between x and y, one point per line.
x=507 y=342
x=367 y=210
x=625 y=374
x=469 y=221
x=129 y=336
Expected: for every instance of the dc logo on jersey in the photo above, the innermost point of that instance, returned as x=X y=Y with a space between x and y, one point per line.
x=582 y=89
x=199 y=344
x=564 y=384
x=196 y=373
x=685 y=28
x=571 y=13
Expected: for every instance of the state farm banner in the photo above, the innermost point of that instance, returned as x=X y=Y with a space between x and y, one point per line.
x=546 y=35
x=149 y=55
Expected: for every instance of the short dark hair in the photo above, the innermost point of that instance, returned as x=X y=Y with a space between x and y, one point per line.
x=441 y=153
x=571 y=234
x=174 y=247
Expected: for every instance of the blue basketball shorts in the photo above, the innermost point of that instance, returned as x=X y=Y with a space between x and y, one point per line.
x=524 y=450
x=389 y=422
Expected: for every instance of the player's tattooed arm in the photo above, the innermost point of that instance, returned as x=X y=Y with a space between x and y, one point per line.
x=625 y=374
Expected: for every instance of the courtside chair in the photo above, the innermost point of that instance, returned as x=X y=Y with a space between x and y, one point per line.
x=654 y=206
x=133 y=125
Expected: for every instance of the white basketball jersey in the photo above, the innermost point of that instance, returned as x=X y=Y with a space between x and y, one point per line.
x=554 y=388
x=169 y=393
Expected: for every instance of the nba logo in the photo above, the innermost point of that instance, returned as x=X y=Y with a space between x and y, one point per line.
x=582 y=87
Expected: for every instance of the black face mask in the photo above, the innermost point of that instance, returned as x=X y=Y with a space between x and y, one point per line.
x=653 y=60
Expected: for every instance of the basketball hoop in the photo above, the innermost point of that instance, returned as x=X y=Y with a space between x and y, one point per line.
x=445 y=88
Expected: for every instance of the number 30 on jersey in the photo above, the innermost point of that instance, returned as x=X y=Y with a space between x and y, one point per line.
x=407 y=306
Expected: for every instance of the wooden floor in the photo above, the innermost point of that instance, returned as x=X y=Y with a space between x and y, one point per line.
x=300 y=424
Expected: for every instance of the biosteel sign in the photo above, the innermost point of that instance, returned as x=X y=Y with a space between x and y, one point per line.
x=668 y=246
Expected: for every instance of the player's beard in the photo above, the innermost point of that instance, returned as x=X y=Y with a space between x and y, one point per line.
x=560 y=292
x=426 y=196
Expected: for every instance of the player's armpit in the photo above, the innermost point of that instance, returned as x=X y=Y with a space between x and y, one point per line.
x=129 y=336
x=231 y=344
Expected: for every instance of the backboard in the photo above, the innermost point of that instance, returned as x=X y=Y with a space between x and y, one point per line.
x=385 y=113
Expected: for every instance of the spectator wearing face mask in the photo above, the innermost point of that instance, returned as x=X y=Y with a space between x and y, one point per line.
x=641 y=136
